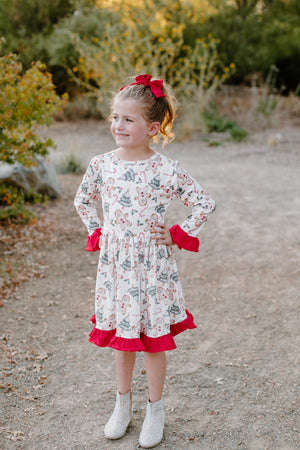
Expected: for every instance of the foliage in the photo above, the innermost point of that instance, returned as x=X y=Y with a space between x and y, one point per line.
x=16 y=214
x=23 y=22
x=26 y=26
x=88 y=23
x=25 y=101
x=237 y=133
x=14 y=204
x=147 y=40
x=215 y=122
x=255 y=35
x=252 y=34
x=71 y=165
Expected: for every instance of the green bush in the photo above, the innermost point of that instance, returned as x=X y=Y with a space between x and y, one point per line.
x=145 y=39
x=62 y=54
x=71 y=165
x=27 y=25
x=219 y=124
x=14 y=204
x=237 y=133
x=17 y=214
x=255 y=35
x=25 y=100
x=24 y=22
x=67 y=34
x=216 y=123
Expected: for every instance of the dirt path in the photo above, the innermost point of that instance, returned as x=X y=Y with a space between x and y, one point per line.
x=233 y=383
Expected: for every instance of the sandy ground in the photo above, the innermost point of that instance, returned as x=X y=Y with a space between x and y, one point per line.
x=233 y=383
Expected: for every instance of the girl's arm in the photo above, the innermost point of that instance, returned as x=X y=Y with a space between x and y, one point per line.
x=191 y=194
x=85 y=203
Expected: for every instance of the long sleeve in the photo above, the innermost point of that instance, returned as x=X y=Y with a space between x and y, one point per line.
x=88 y=194
x=192 y=194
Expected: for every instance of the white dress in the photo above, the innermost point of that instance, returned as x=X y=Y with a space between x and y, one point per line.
x=139 y=302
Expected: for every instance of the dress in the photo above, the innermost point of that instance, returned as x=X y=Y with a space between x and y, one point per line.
x=139 y=304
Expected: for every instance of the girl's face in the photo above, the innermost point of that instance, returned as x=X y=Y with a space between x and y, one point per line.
x=129 y=128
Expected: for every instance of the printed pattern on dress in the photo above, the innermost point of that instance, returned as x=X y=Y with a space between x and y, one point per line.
x=138 y=289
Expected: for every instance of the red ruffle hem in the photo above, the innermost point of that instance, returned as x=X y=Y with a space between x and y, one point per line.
x=108 y=338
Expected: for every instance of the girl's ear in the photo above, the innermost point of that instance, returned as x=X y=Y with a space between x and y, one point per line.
x=154 y=128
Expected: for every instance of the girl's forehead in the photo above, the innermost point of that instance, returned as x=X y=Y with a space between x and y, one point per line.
x=127 y=106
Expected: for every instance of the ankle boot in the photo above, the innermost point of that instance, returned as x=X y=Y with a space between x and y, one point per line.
x=120 y=419
x=153 y=426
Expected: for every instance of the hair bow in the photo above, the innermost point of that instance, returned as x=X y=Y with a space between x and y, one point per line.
x=155 y=85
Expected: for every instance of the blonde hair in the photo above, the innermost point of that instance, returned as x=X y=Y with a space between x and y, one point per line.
x=161 y=109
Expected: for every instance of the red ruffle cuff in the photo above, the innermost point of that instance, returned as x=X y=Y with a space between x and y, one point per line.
x=93 y=241
x=108 y=338
x=184 y=240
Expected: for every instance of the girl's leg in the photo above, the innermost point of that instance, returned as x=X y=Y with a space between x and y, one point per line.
x=117 y=425
x=124 y=369
x=153 y=426
x=156 y=364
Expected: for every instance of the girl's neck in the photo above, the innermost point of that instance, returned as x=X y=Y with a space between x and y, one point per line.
x=134 y=154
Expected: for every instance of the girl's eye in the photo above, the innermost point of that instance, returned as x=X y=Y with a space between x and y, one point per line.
x=129 y=120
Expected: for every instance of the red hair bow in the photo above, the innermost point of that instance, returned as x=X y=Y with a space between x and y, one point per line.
x=155 y=85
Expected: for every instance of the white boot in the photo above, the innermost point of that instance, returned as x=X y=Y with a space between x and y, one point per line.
x=120 y=419
x=153 y=426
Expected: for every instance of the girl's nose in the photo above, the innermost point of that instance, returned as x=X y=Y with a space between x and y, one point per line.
x=119 y=124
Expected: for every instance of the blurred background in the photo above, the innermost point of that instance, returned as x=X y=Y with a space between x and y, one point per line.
x=91 y=46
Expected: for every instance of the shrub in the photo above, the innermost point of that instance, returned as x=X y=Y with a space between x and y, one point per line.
x=14 y=204
x=147 y=40
x=215 y=122
x=238 y=134
x=17 y=214
x=255 y=35
x=71 y=165
x=88 y=23
x=25 y=101
x=25 y=23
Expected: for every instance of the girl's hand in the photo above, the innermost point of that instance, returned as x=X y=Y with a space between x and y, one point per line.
x=162 y=234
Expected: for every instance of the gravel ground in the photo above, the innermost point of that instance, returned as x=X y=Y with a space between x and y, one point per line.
x=233 y=383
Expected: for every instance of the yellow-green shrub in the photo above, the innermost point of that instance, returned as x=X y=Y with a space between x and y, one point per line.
x=26 y=100
x=14 y=204
x=148 y=39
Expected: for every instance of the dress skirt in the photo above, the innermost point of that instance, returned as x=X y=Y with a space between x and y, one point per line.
x=139 y=299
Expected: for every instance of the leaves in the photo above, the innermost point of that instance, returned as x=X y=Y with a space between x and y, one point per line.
x=26 y=100
x=146 y=40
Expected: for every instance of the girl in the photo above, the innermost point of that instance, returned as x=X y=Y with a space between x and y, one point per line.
x=139 y=300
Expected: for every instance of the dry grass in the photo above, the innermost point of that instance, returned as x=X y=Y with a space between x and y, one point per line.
x=252 y=108
x=256 y=109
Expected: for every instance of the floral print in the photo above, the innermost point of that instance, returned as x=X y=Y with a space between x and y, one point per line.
x=138 y=290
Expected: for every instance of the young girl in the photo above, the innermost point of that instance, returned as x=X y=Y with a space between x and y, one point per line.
x=139 y=300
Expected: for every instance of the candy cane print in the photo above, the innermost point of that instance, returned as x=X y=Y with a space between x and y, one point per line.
x=158 y=311
x=142 y=211
x=109 y=171
x=115 y=196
